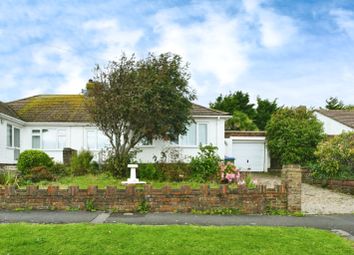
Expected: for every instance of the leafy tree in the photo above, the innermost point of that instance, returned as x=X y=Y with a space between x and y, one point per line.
x=240 y=121
x=333 y=103
x=130 y=100
x=293 y=135
x=265 y=109
x=237 y=101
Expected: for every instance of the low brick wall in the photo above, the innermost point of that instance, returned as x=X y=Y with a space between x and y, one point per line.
x=248 y=201
x=345 y=186
x=185 y=199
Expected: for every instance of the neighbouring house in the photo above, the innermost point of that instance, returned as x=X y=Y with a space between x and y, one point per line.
x=54 y=122
x=336 y=121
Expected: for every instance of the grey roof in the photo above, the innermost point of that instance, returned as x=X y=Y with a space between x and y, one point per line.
x=70 y=108
x=5 y=109
x=345 y=117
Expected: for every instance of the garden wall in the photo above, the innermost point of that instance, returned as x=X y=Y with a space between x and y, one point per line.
x=345 y=186
x=185 y=199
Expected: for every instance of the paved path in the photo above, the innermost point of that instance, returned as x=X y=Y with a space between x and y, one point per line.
x=329 y=222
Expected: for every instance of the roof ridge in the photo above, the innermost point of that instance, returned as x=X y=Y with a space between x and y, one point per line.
x=214 y=110
x=42 y=95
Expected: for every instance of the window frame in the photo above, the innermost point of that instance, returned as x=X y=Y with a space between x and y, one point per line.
x=178 y=142
x=57 y=135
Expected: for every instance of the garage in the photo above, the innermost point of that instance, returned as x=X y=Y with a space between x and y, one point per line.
x=249 y=150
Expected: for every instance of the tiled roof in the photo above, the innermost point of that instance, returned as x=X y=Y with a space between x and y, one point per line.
x=51 y=108
x=5 y=109
x=70 y=108
x=345 y=117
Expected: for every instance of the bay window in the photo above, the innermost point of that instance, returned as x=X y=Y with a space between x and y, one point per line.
x=197 y=134
x=9 y=136
x=13 y=139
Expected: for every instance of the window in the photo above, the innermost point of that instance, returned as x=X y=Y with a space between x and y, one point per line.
x=9 y=135
x=203 y=134
x=36 y=139
x=61 y=139
x=196 y=134
x=91 y=139
x=96 y=140
x=190 y=138
x=102 y=140
x=17 y=138
x=48 y=139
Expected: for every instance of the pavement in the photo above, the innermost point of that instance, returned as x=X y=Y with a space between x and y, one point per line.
x=341 y=223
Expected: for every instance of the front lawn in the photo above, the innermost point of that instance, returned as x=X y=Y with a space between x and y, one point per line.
x=103 y=180
x=131 y=239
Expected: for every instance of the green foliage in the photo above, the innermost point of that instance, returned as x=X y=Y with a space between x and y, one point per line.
x=240 y=121
x=237 y=101
x=178 y=171
x=282 y=212
x=90 y=205
x=293 y=135
x=9 y=178
x=140 y=99
x=218 y=211
x=265 y=109
x=333 y=103
x=249 y=182
x=143 y=207
x=335 y=157
x=39 y=173
x=205 y=166
x=32 y=158
x=148 y=172
x=245 y=115
x=82 y=164
x=59 y=170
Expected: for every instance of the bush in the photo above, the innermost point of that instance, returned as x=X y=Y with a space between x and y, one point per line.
x=39 y=173
x=293 y=135
x=148 y=172
x=81 y=164
x=177 y=171
x=59 y=170
x=205 y=166
x=33 y=158
x=335 y=157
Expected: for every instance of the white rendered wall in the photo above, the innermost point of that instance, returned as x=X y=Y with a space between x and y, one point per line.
x=7 y=153
x=77 y=138
x=331 y=126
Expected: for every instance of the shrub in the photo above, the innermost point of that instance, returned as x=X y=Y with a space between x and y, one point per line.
x=33 y=158
x=177 y=171
x=9 y=178
x=293 y=135
x=229 y=172
x=39 y=173
x=58 y=169
x=204 y=167
x=81 y=164
x=335 y=157
x=148 y=172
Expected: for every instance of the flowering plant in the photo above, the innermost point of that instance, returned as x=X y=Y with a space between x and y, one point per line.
x=229 y=172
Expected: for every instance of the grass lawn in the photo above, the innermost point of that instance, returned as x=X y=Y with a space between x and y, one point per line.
x=104 y=180
x=131 y=239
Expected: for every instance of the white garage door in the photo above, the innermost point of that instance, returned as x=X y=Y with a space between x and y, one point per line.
x=249 y=155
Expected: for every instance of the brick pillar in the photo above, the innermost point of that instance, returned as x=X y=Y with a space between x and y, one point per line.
x=291 y=175
x=68 y=153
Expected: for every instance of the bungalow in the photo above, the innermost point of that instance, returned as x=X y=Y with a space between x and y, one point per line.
x=54 y=122
x=336 y=121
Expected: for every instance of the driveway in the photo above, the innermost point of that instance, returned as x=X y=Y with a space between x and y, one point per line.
x=317 y=200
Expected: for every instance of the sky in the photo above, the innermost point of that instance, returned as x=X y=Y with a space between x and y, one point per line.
x=298 y=52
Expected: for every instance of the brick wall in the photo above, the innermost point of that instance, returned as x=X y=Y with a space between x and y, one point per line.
x=184 y=199
x=345 y=186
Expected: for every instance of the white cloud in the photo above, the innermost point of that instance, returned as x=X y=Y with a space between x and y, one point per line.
x=109 y=34
x=211 y=45
x=344 y=20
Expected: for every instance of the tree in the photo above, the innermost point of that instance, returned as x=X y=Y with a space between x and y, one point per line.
x=333 y=103
x=265 y=109
x=130 y=100
x=240 y=121
x=293 y=135
x=237 y=101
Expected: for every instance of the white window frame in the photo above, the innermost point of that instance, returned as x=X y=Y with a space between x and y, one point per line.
x=96 y=131
x=57 y=135
x=13 y=145
x=178 y=143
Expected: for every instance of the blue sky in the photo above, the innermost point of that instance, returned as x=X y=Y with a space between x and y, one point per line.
x=300 y=52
